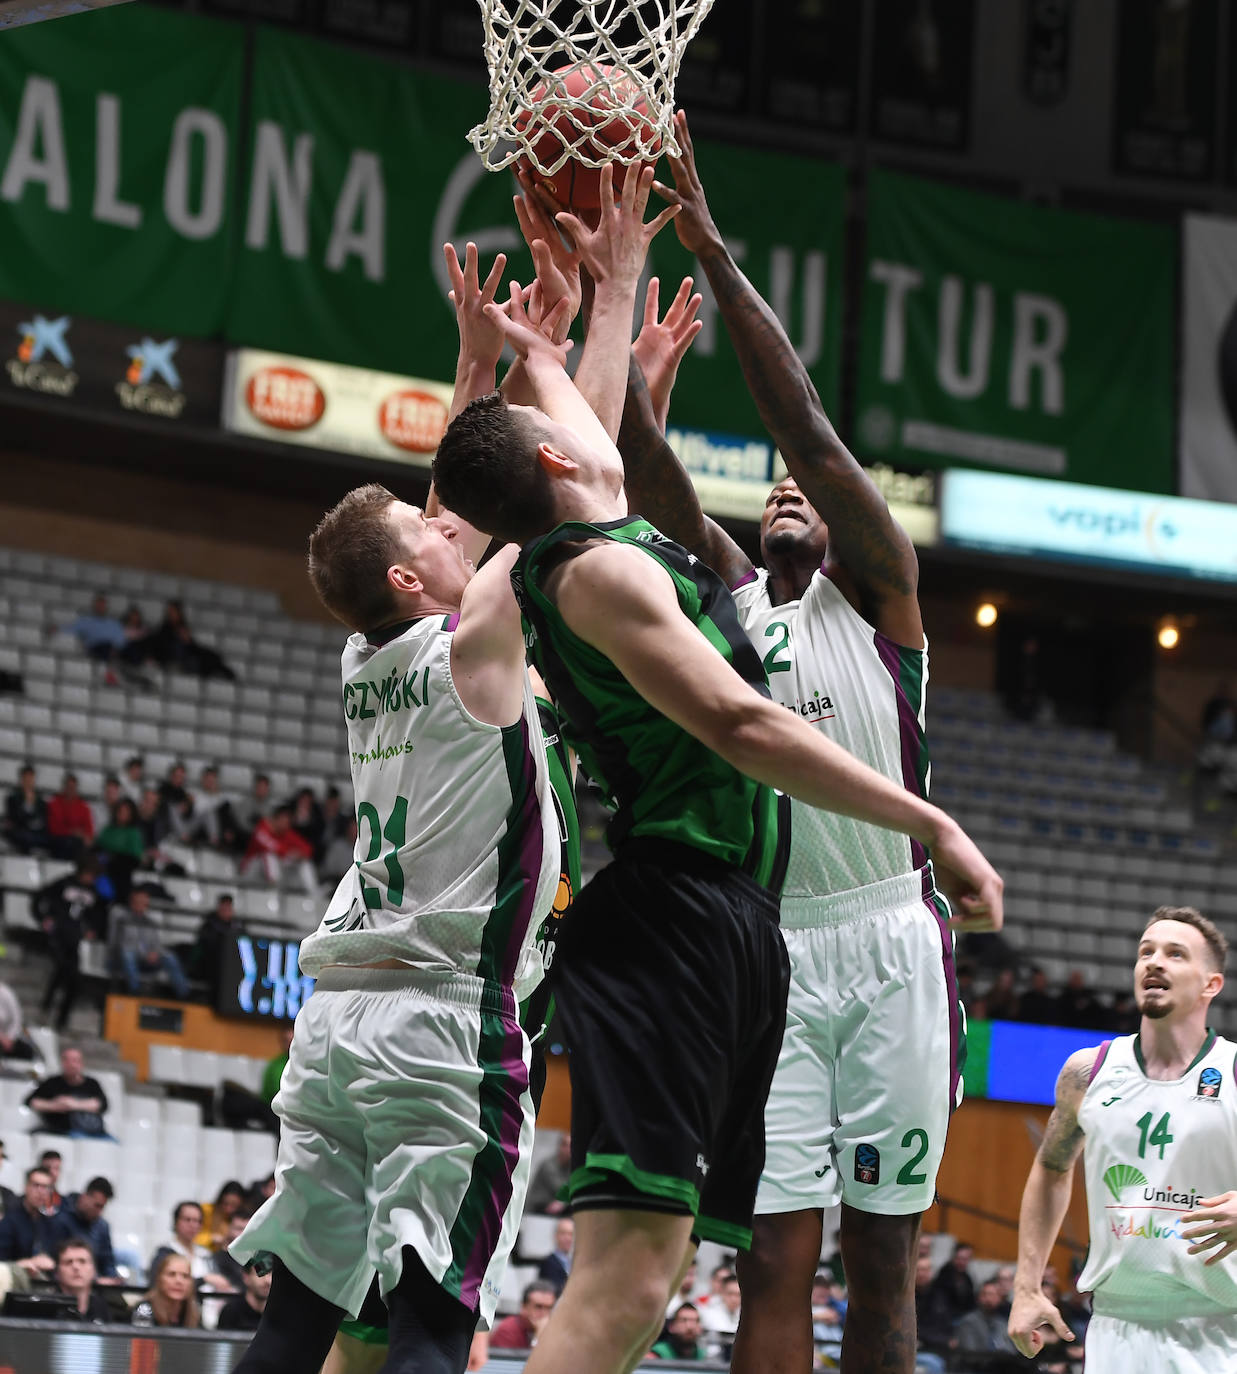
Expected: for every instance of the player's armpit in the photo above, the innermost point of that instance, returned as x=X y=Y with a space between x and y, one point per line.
x=487 y=649
x=1063 y=1137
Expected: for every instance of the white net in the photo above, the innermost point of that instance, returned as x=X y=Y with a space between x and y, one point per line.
x=587 y=80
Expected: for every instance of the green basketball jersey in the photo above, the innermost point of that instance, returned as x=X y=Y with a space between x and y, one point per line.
x=655 y=778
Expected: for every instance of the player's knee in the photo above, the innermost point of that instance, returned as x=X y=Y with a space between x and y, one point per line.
x=785 y=1252
x=878 y=1253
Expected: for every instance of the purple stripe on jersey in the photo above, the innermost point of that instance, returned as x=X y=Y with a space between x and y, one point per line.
x=511 y=1062
x=940 y=911
x=452 y=622
x=1099 y=1061
x=749 y=576
x=909 y=735
x=527 y=821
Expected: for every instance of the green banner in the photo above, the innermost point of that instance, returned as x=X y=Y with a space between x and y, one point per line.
x=118 y=132
x=359 y=172
x=1005 y=335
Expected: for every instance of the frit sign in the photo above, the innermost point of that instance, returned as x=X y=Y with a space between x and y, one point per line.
x=349 y=410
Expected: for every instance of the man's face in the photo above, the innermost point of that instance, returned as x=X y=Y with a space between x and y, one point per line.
x=923 y=1271
x=188 y=1224
x=537 y=1308
x=38 y=1190
x=564 y=1236
x=177 y=776
x=1173 y=971
x=69 y=786
x=989 y=1296
x=1039 y=981
x=111 y=793
x=134 y=770
x=75 y=1270
x=689 y=1279
x=150 y=802
x=71 y=1065
x=731 y=1295
x=564 y=1148
x=963 y=1257
x=261 y=788
x=210 y=781
x=236 y=1225
x=429 y=548
x=1005 y=1280
x=226 y=909
x=52 y=1168
x=139 y=901
x=26 y=779
x=790 y=526
x=99 y=606
x=258 y=1286
x=90 y=1206
x=686 y=1324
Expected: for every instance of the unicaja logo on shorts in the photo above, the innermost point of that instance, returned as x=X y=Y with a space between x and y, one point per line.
x=1209 y=1082
x=44 y=361
x=151 y=382
x=867 y=1164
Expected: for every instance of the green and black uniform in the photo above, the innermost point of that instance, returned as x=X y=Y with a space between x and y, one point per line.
x=537 y=1010
x=671 y=979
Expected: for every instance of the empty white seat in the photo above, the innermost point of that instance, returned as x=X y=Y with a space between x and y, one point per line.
x=202 y=1068
x=167 y=1064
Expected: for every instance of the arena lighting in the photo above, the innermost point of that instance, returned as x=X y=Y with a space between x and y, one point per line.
x=985 y=615
x=1168 y=635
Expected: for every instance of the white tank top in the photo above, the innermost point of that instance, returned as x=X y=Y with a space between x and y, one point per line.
x=866 y=693
x=457 y=853
x=1153 y=1149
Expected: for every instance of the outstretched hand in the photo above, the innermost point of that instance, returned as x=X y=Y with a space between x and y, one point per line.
x=694 y=224
x=532 y=338
x=556 y=261
x=617 y=248
x=662 y=345
x=481 y=341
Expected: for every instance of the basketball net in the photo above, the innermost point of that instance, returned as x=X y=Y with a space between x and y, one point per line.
x=532 y=45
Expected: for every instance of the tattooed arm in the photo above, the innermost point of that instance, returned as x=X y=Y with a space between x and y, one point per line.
x=659 y=488
x=871 y=547
x=1044 y=1203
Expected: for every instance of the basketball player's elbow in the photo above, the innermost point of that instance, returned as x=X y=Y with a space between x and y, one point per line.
x=745 y=734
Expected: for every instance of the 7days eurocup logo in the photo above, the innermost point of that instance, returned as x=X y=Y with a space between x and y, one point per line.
x=151 y=383
x=43 y=361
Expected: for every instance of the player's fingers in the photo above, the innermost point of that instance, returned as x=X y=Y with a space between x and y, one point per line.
x=651 y=296
x=690 y=312
x=454 y=270
x=685 y=134
x=678 y=305
x=644 y=184
x=606 y=186
x=1209 y=1239
x=667 y=192
x=574 y=230
x=1059 y=1326
x=655 y=226
x=492 y=282
x=1221 y=1254
x=470 y=265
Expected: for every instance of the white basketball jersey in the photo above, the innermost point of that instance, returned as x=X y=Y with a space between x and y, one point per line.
x=1153 y=1150
x=457 y=853
x=863 y=691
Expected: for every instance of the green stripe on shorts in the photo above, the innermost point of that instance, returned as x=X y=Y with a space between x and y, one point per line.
x=367 y=1335
x=596 y=1167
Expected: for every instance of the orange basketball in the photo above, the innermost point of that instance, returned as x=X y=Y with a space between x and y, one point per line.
x=575 y=186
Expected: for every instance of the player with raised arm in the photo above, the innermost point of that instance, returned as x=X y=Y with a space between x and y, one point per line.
x=835 y=618
x=673 y=976
x=406 y=1113
x=1155 y=1117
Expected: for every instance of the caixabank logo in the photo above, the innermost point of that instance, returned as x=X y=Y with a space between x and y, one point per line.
x=151 y=384
x=43 y=361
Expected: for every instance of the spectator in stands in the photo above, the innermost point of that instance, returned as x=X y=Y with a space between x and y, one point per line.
x=25 y=814
x=681 y=1338
x=828 y=1318
x=1219 y=728
x=104 y=810
x=70 y=1103
x=334 y=821
x=75 y=1277
x=216 y=931
x=255 y=807
x=13 y=1042
x=81 y=1219
x=25 y=1233
x=983 y=1328
x=721 y=1275
x=8 y=1198
x=217 y=1217
x=340 y=853
x=186 y=1225
x=211 y=820
x=1037 y=1005
x=172 y=645
x=720 y=1320
x=170 y=1300
x=244 y=1312
x=259 y=1190
x=521 y=1330
x=1001 y=1000
x=273 y=844
x=69 y=911
x=136 y=948
x=272 y=1075
x=152 y=821
x=557 y=1265
x=685 y=1290
x=1124 y=1017
x=968 y=993
x=1077 y=1006
x=99 y=632
x=550 y=1179
x=307 y=821
x=1004 y=1277
x=222 y=1263
x=134 y=782
x=175 y=801
x=932 y=1317
x=70 y=826
x=954 y=1284
x=52 y=1161
x=124 y=846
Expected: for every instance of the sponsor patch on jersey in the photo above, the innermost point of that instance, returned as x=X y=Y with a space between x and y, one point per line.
x=1209 y=1082
x=867 y=1164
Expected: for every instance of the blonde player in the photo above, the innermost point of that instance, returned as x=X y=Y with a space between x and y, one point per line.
x=1155 y=1117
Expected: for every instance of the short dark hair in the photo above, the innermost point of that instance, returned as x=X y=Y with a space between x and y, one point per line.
x=486 y=470
x=180 y=1207
x=1217 y=945
x=539 y=1286
x=73 y=1243
x=349 y=554
x=684 y=1307
x=100 y=1185
x=37 y=1169
x=46 y=1155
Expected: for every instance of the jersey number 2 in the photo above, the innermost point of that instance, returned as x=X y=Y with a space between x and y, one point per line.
x=772 y=662
x=395 y=831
